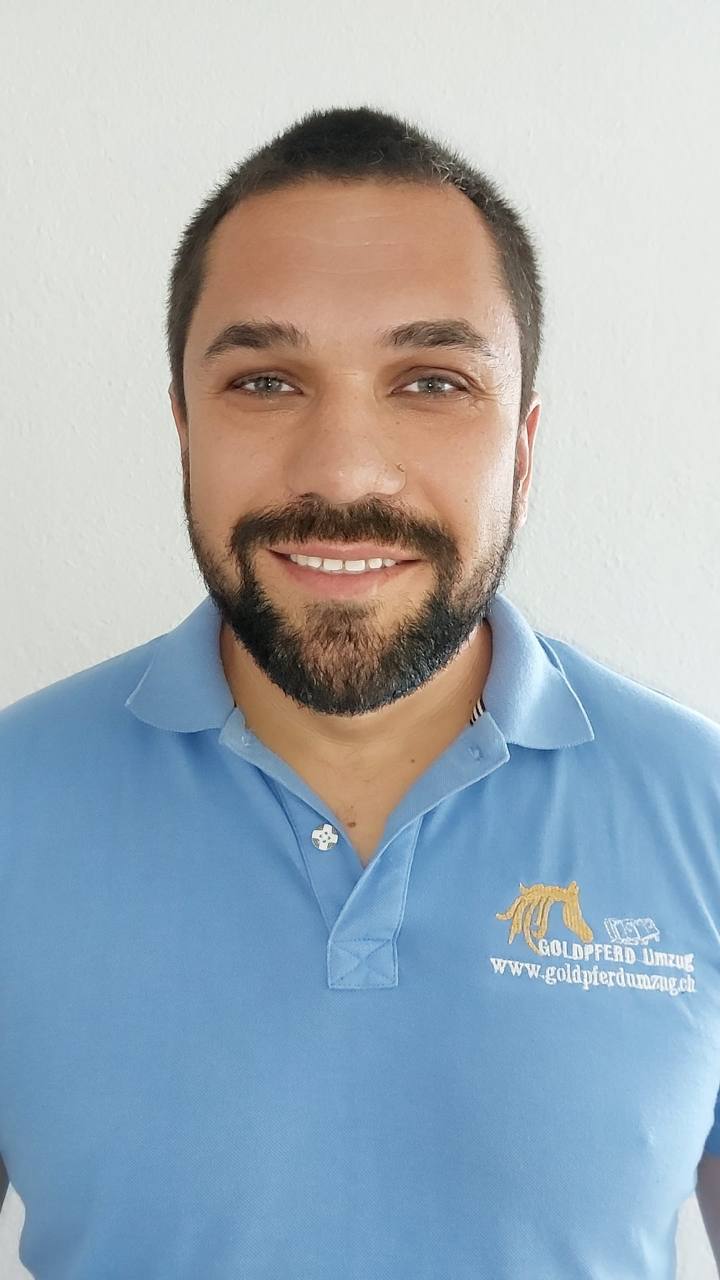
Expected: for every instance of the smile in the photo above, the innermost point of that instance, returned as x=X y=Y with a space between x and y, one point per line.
x=341 y=577
x=341 y=566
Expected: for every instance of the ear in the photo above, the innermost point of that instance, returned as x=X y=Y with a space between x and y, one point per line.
x=179 y=417
x=524 y=452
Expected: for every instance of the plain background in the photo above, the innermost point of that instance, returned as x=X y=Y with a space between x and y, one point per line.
x=598 y=120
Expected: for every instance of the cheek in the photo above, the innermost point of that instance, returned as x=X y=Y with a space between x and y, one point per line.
x=228 y=480
x=485 y=513
x=471 y=488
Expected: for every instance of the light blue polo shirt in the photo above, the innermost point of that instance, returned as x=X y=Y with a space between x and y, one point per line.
x=230 y=1051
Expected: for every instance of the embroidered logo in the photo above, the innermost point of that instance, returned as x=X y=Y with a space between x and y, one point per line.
x=629 y=952
x=537 y=900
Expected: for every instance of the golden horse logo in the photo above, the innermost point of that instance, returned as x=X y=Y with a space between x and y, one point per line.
x=536 y=900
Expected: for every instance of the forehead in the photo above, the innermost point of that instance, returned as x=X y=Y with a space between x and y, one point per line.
x=362 y=256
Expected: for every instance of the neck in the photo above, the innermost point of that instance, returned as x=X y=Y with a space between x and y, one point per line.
x=422 y=724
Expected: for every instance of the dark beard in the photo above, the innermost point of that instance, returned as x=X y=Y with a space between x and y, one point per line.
x=338 y=663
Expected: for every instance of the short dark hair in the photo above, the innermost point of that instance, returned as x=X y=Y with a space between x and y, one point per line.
x=353 y=144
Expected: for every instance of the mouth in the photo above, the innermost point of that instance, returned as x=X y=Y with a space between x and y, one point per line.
x=341 y=582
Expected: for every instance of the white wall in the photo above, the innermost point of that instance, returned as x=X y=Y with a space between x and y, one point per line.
x=599 y=120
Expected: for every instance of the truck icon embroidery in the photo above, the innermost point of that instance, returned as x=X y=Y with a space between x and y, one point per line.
x=635 y=931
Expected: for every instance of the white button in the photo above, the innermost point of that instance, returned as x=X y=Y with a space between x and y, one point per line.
x=325 y=837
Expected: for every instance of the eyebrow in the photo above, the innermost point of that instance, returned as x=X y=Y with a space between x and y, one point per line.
x=260 y=334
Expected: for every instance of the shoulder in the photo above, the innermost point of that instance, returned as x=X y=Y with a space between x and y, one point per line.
x=635 y=720
x=76 y=709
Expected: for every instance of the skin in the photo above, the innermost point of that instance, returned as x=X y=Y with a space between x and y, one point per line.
x=351 y=447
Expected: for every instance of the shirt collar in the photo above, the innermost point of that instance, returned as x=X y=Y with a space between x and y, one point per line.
x=526 y=693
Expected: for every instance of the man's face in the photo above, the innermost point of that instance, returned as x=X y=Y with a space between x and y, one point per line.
x=416 y=447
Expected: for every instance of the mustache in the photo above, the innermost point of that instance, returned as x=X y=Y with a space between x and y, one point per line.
x=369 y=524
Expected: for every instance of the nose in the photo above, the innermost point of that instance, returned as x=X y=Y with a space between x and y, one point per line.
x=344 y=451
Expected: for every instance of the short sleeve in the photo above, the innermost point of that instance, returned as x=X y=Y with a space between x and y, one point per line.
x=712 y=1142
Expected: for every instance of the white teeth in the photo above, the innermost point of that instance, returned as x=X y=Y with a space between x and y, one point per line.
x=341 y=566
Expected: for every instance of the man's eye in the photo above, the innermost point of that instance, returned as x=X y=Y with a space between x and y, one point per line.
x=438 y=377
x=242 y=383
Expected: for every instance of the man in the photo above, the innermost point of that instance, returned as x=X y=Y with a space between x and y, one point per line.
x=353 y=928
